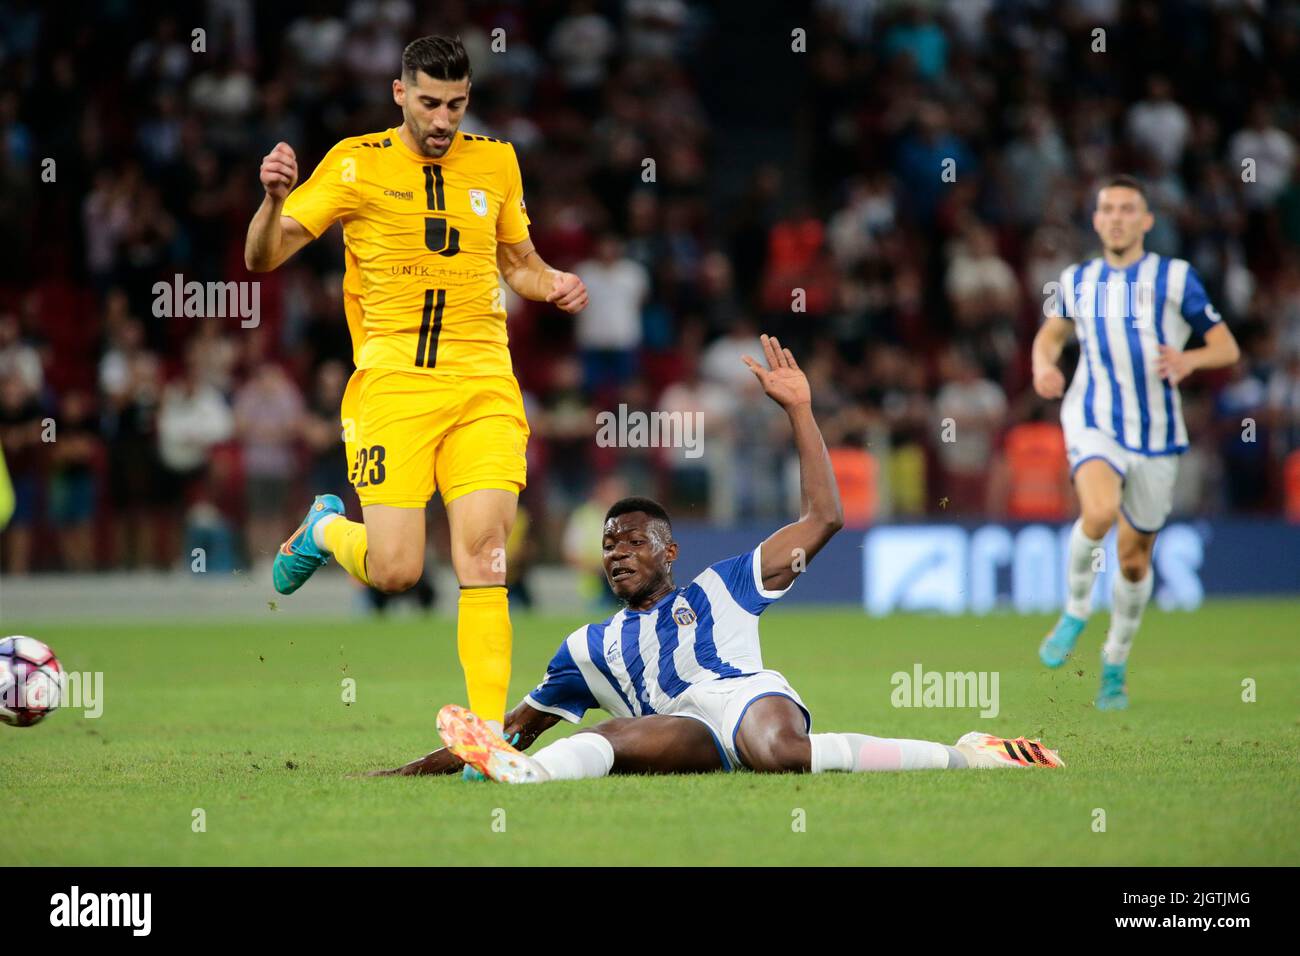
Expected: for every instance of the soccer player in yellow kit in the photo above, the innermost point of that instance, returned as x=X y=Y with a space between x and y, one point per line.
x=430 y=216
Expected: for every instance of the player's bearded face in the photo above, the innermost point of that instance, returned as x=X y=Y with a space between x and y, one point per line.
x=433 y=110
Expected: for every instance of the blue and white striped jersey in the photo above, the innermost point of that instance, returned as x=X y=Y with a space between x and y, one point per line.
x=1120 y=318
x=640 y=662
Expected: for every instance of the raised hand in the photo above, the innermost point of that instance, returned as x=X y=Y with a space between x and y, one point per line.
x=279 y=172
x=782 y=380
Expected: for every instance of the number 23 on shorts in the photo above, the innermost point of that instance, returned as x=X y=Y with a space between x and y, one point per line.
x=368 y=469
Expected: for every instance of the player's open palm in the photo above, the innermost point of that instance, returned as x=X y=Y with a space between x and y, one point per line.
x=782 y=380
x=279 y=171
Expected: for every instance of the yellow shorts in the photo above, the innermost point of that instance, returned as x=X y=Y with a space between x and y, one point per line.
x=409 y=434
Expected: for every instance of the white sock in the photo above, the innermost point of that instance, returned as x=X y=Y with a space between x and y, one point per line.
x=859 y=752
x=1079 y=573
x=1129 y=601
x=317 y=534
x=576 y=757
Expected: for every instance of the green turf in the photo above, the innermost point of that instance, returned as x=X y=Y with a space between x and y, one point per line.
x=212 y=716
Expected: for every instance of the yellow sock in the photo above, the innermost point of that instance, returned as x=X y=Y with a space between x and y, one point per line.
x=346 y=540
x=483 y=637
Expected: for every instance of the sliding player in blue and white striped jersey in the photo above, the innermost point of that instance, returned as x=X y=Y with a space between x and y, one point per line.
x=1133 y=312
x=680 y=668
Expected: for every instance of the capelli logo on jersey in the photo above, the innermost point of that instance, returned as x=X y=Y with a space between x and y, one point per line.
x=400 y=193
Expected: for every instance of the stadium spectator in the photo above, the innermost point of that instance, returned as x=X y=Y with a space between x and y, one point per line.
x=724 y=356
x=131 y=383
x=160 y=61
x=19 y=359
x=1269 y=150
x=76 y=458
x=1158 y=125
x=565 y=426
x=193 y=418
x=984 y=294
x=1031 y=166
x=693 y=399
x=1242 y=418
x=268 y=416
x=322 y=436
x=582 y=43
x=608 y=331
x=970 y=410
x=1030 y=480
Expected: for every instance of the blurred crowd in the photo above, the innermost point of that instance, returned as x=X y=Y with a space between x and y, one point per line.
x=893 y=207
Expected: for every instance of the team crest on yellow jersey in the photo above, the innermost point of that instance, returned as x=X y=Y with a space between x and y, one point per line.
x=478 y=201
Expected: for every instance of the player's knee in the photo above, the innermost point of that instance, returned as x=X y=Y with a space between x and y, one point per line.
x=1099 y=519
x=393 y=573
x=783 y=752
x=1134 y=567
x=483 y=559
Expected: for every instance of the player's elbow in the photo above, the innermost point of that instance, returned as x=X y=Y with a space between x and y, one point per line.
x=826 y=522
x=1232 y=352
x=255 y=263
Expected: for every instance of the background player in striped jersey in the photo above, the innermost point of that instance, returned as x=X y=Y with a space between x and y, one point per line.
x=680 y=668
x=1132 y=311
x=432 y=219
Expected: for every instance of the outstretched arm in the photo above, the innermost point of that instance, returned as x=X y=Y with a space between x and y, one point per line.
x=530 y=277
x=822 y=515
x=523 y=720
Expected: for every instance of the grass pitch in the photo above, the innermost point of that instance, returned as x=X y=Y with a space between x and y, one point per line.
x=246 y=722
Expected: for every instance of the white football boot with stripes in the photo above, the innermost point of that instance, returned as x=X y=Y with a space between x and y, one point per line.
x=985 y=750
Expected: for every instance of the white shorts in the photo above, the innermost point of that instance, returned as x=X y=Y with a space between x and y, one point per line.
x=721 y=704
x=1148 y=492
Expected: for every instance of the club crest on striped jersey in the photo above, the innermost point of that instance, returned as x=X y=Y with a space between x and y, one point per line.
x=478 y=201
x=684 y=616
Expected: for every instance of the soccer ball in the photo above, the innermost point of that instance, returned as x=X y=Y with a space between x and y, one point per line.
x=30 y=681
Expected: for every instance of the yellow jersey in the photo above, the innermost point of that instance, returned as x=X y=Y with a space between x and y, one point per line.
x=421 y=289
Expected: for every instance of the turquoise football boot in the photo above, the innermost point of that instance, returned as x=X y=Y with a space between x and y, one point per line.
x=1114 y=692
x=1056 y=647
x=299 y=557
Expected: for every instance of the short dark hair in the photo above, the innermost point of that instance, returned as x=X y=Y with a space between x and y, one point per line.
x=443 y=58
x=1126 y=181
x=653 y=509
